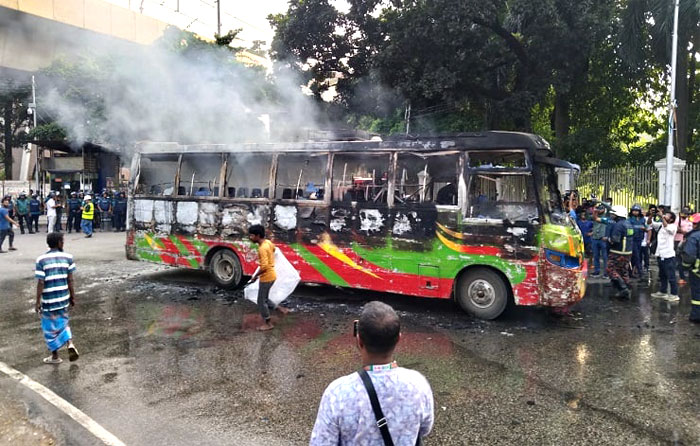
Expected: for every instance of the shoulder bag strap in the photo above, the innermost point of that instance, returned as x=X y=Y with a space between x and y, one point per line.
x=378 y=414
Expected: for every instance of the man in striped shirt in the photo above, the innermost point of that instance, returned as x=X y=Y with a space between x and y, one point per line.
x=54 y=294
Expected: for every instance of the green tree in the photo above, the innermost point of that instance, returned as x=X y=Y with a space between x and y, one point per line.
x=14 y=98
x=646 y=41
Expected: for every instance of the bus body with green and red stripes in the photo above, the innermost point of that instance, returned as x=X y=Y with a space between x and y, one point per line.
x=474 y=217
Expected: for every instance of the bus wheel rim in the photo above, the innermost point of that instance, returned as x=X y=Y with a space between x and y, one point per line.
x=224 y=269
x=481 y=293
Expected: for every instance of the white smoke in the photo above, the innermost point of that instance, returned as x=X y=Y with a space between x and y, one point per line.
x=189 y=93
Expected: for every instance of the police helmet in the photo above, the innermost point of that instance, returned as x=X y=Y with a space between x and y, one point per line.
x=636 y=207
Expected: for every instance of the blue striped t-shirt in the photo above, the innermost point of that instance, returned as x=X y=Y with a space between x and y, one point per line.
x=53 y=268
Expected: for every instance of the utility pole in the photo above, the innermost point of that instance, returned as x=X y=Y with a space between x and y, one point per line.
x=218 y=17
x=32 y=106
x=668 y=192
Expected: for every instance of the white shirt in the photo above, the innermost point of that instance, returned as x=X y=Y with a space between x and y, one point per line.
x=345 y=415
x=664 y=242
x=50 y=209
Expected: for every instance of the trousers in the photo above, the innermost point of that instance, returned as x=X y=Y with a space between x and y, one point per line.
x=619 y=270
x=667 y=275
x=600 y=251
x=263 y=303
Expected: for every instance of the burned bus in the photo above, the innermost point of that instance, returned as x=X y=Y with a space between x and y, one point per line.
x=473 y=217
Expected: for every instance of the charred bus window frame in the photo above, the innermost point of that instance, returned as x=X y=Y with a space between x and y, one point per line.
x=527 y=172
x=300 y=200
x=179 y=179
x=270 y=176
x=459 y=177
x=138 y=180
x=391 y=164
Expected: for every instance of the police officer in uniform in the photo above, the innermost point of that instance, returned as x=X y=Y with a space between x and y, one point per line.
x=73 y=213
x=620 y=252
x=104 y=205
x=119 y=212
x=691 y=261
x=34 y=213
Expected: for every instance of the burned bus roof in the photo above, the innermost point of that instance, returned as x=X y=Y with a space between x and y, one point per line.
x=496 y=140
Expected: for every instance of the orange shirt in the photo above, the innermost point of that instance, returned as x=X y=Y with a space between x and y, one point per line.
x=266 y=257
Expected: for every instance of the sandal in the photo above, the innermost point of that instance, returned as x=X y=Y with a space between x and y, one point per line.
x=50 y=360
x=73 y=354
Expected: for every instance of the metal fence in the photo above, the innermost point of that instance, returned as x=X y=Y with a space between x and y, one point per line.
x=690 y=186
x=637 y=184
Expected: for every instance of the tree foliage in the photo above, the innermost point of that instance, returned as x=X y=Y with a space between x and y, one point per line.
x=554 y=66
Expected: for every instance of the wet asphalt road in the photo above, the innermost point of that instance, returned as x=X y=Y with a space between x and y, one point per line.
x=168 y=359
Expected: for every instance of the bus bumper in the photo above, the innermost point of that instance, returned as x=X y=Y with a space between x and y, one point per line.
x=562 y=287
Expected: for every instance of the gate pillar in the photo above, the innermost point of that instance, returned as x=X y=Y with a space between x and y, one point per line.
x=678 y=166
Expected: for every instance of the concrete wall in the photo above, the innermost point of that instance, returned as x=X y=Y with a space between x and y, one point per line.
x=29 y=42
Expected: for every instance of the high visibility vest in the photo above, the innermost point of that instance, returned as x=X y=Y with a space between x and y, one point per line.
x=88 y=211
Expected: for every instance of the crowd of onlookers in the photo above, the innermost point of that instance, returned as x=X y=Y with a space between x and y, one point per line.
x=69 y=211
x=621 y=243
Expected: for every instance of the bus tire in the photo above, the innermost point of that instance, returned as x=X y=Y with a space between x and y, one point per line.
x=225 y=269
x=483 y=293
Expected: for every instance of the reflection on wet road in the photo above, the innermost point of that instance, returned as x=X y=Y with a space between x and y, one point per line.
x=169 y=359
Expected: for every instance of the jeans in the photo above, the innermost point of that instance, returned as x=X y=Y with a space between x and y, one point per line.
x=600 y=249
x=263 y=304
x=9 y=233
x=667 y=275
x=86 y=226
x=637 y=256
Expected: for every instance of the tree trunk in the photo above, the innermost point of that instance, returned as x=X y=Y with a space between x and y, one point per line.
x=693 y=95
x=8 y=140
x=682 y=96
x=562 y=120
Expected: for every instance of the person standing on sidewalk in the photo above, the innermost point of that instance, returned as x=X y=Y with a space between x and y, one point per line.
x=88 y=213
x=23 y=213
x=620 y=252
x=382 y=403
x=666 y=255
x=691 y=261
x=599 y=242
x=266 y=274
x=54 y=294
x=51 y=213
x=684 y=228
x=34 y=213
x=6 y=223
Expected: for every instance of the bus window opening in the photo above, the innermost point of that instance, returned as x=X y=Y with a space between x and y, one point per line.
x=199 y=175
x=427 y=178
x=248 y=176
x=157 y=174
x=501 y=197
x=301 y=177
x=361 y=177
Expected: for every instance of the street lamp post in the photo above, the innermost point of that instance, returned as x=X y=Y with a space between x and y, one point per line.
x=668 y=191
x=36 y=147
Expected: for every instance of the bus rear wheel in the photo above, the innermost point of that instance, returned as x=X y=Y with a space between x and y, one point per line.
x=225 y=269
x=483 y=293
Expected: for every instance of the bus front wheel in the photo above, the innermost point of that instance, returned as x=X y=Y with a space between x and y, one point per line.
x=225 y=269
x=483 y=293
